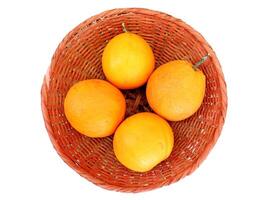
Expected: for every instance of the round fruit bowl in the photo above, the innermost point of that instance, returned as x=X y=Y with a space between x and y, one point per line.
x=78 y=57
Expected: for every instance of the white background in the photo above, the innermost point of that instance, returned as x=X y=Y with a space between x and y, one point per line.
x=29 y=34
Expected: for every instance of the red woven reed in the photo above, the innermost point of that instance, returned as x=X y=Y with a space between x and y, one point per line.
x=78 y=57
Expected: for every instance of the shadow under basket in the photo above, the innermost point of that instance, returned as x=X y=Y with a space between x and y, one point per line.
x=78 y=57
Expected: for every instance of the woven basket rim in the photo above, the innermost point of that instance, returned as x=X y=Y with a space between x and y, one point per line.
x=144 y=11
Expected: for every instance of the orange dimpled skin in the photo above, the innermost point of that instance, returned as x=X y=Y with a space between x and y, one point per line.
x=142 y=141
x=128 y=61
x=176 y=90
x=94 y=107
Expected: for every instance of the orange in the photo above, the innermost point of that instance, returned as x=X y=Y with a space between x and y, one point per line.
x=176 y=90
x=94 y=107
x=128 y=61
x=142 y=141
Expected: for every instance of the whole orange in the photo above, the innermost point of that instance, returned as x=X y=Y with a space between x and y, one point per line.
x=176 y=90
x=94 y=107
x=128 y=61
x=142 y=141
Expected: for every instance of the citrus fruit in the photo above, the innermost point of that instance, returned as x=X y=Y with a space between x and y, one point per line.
x=127 y=61
x=176 y=90
x=94 y=107
x=142 y=141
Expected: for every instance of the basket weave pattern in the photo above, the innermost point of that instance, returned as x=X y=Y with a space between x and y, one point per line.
x=78 y=57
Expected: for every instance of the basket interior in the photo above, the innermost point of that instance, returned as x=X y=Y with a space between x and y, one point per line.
x=79 y=57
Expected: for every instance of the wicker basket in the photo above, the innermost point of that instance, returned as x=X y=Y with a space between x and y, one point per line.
x=78 y=57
